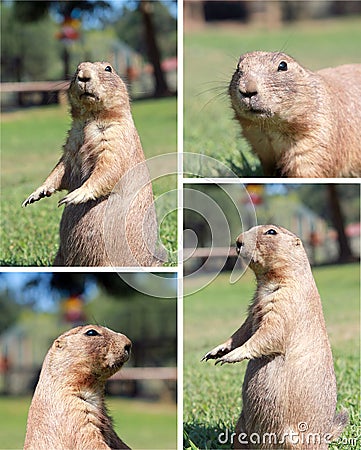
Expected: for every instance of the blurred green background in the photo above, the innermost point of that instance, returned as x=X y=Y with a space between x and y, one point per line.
x=325 y=216
x=140 y=424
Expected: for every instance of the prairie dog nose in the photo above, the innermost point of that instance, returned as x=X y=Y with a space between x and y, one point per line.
x=127 y=346
x=84 y=75
x=239 y=244
x=248 y=88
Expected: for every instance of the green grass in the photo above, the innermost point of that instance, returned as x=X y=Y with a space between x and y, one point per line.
x=212 y=394
x=141 y=425
x=31 y=142
x=210 y=58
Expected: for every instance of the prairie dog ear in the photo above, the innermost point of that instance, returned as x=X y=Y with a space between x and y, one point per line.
x=298 y=242
x=59 y=343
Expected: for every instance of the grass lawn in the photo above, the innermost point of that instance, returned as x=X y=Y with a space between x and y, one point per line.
x=31 y=142
x=210 y=58
x=212 y=394
x=141 y=425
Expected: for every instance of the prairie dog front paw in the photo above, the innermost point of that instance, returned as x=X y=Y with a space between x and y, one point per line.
x=217 y=352
x=236 y=355
x=38 y=194
x=77 y=196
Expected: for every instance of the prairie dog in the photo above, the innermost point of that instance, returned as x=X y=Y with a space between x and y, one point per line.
x=109 y=216
x=68 y=410
x=298 y=122
x=290 y=378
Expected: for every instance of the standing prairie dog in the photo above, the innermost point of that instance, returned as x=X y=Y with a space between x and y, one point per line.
x=298 y=122
x=109 y=216
x=289 y=388
x=68 y=409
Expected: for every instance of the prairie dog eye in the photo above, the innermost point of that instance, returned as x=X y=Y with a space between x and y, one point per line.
x=271 y=231
x=92 y=333
x=282 y=66
x=108 y=69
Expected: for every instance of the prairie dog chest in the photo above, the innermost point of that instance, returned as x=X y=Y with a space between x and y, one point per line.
x=86 y=143
x=97 y=137
x=268 y=143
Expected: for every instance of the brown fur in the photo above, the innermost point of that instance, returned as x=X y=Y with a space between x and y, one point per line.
x=68 y=409
x=299 y=123
x=290 y=378
x=106 y=221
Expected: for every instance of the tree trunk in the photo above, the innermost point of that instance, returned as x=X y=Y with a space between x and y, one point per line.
x=161 y=87
x=66 y=63
x=345 y=252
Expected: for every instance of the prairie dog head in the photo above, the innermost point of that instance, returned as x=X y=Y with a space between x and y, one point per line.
x=269 y=85
x=96 y=87
x=87 y=354
x=270 y=248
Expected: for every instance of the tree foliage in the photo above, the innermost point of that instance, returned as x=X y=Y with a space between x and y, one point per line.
x=130 y=22
x=27 y=12
x=28 y=50
x=150 y=322
x=148 y=27
x=316 y=198
x=339 y=205
x=9 y=311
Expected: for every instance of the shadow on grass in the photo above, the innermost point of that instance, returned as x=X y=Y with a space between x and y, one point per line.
x=200 y=436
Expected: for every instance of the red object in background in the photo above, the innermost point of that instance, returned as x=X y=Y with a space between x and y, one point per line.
x=170 y=64
x=70 y=29
x=74 y=309
x=353 y=230
x=315 y=239
x=255 y=199
x=4 y=364
x=255 y=192
x=131 y=73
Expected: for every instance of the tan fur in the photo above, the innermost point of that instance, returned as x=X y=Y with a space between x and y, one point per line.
x=299 y=123
x=109 y=218
x=68 y=411
x=290 y=378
